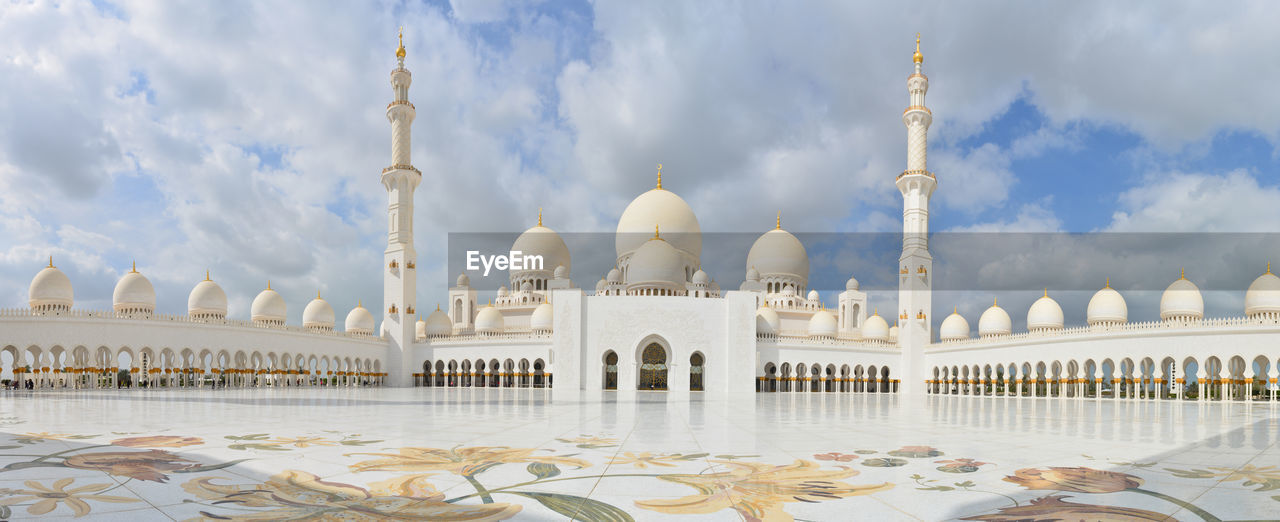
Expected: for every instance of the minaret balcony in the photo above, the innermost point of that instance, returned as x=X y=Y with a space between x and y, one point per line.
x=925 y=173
x=411 y=168
x=401 y=102
x=917 y=108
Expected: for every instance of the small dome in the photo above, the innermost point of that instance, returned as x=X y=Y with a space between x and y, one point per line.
x=813 y=295
x=318 y=314
x=753 y=274
x=1182 y=300
x=1263 y=296
x=562 y=272
x=1107 y=306
x=360 y=321
x=851 y=285
x=657 y=263
x=779 y=253
x=788 y=291
x=463 y=280
x=1045 y=314
x=767 y=320
x=419 y=329
x=542 y=241
x=134 y=294
x=664 y=209
x=503 y=292
x=207 y=300
x=437 y=324
x=954 y=328
x=822 y=324
x=994 y=321
x=526 y=287
x=615 y=275
x=600 y=285
x=893 y=333
x=541 y=318
x=268 y=307
x=489 y=320
x=50 y=290
x=875 y=329
x=700 y=278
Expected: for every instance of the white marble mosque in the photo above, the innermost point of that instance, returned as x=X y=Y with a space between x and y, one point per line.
x=657 y=321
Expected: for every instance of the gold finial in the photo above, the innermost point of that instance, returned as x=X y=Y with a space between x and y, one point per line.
x=655 y=232
x=437 y=307
x=539 y=216
x=268 y=284
x=955 y=309
x=359 y=303
x=875 y=311
x=50 y=261
x=1046 y=291
x=1184 y=274
x=1108 y=285
x=134 y=270
x=995 y=301
x=778 y=226
x=918 y=58
x=400 y=50
x=659 y=176
x=317 y=293
x=1268 y=267
x=206 y=275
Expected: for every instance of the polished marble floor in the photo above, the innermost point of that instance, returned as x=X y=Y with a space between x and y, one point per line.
x=475 y=454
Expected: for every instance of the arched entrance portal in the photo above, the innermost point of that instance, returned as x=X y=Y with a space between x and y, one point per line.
x=611 y=371
x=653 y=368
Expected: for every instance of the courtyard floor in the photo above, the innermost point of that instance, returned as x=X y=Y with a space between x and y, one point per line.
x=477 y=454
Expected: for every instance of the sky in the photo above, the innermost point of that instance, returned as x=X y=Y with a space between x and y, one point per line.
x=247 y=138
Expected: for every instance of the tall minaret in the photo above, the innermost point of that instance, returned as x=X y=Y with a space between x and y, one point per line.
x=915 y=268
x=400 y=282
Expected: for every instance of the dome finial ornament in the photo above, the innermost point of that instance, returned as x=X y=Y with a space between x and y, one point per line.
x=1046 y=291
x=539 y=216
x=1268 y=267
x=778 y=226
x=1184 y=274
x=206 y=275
x=400 y=50
x=50 y=261
x=995 y=301
x=134 y=268
x=268 y=284
x=1108 y=283
x=659 y=176
x=917 y=57
x=655 y=232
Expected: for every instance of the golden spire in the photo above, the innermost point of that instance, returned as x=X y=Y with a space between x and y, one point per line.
x=655 y=232
x=778 y=226
x=918 y=58
x=539 y=216
x=206 y=275
x=1184 y=274
x=1268 y=267
x=400 y=50
x=359 y=303
x=134 y=270
x=995 y=301
x=50 y=261
x=268 y=284
x=317 y=293
x=659 y=176
x=955 y=309
x=1108 y=285
x=1046 y=291
x=437 y=307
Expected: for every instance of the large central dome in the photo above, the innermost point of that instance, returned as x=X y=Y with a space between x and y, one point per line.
x=666 y=210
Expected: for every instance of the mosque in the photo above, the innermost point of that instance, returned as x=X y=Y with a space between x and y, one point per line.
x=656 y=321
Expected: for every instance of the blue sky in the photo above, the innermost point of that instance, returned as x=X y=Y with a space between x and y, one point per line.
x=246 y=138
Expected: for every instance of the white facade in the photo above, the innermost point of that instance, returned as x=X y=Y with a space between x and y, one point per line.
x=655 y=321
